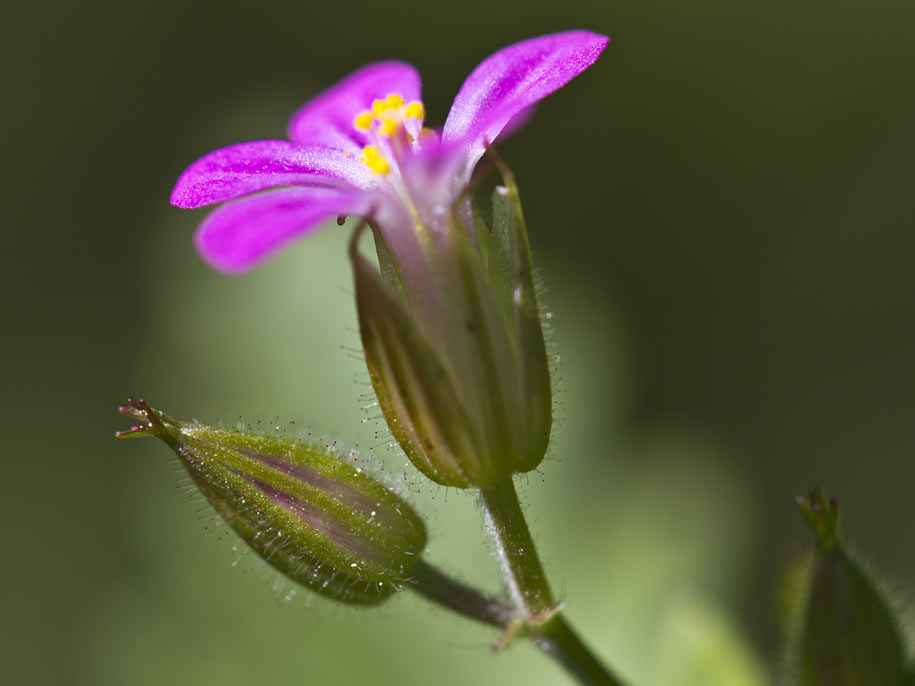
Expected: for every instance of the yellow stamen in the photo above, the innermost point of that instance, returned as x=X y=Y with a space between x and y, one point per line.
x=415 y=110
x=387 y=127
x=389 y=114
x=373 y=159
x=381 y=166
x=379 y=107
x=363 y=121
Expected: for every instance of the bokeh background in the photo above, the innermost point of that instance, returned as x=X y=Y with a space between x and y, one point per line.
x=722 y=209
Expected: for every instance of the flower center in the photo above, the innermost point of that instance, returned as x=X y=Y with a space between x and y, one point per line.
x=384 y=120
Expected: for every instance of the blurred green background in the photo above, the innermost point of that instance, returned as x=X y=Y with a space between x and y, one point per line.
x=723 y=211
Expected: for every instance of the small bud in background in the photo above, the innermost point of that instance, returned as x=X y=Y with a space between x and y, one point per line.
x=458 y=362
x=847 y=634
x=315 y=518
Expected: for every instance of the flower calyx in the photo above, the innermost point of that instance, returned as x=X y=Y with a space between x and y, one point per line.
x=847 y=634
x=310 y=514
x=462 y=377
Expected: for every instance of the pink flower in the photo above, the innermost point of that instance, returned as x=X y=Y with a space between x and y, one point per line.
x=450 y=324
x=360 y=148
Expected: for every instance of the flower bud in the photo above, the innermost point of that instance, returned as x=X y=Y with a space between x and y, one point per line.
x=315 y=518
x=848 y=635
x=458 y=361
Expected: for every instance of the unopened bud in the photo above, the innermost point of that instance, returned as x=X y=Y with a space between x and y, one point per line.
x=848 y=636
x=460 y=369
x=317 y=519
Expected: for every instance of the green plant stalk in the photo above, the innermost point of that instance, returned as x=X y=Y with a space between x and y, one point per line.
x=441 y=589
x=540 y=617
x=524 y=576
x=557 y=638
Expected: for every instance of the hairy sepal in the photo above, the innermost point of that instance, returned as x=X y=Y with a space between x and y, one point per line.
x=313 y=516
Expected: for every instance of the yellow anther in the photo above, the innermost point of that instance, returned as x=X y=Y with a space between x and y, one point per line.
x=389 y=113
x=363 y=121
x=373 y=159
x=379 y=107
x=387 y=127
x=381 y=166
x=415 y=110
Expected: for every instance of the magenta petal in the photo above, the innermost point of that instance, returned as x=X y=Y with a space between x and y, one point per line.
x=240 y=235
x=328 y=118
x=518 y=121
x=513 y=79
x=250 y=167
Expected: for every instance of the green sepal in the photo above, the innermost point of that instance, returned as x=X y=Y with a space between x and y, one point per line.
x=848 y=635
x=482 y=234
x=456 y=353
x=390 y=272
x=316 y=518
x=413 y=387
x=511 y=273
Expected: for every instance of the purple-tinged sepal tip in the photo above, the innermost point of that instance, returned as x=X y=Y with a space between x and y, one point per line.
x=319 y=520
x=821 y=515
x=845 y=632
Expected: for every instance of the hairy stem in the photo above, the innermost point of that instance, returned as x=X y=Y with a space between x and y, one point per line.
x=530 y=590
x=557 y=638
x=441 y=589
x=521 y=566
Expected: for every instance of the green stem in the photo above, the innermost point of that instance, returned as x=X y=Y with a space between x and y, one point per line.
x=441 y=589
x=530 y=590
x=558 y=639
x=521 y=566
